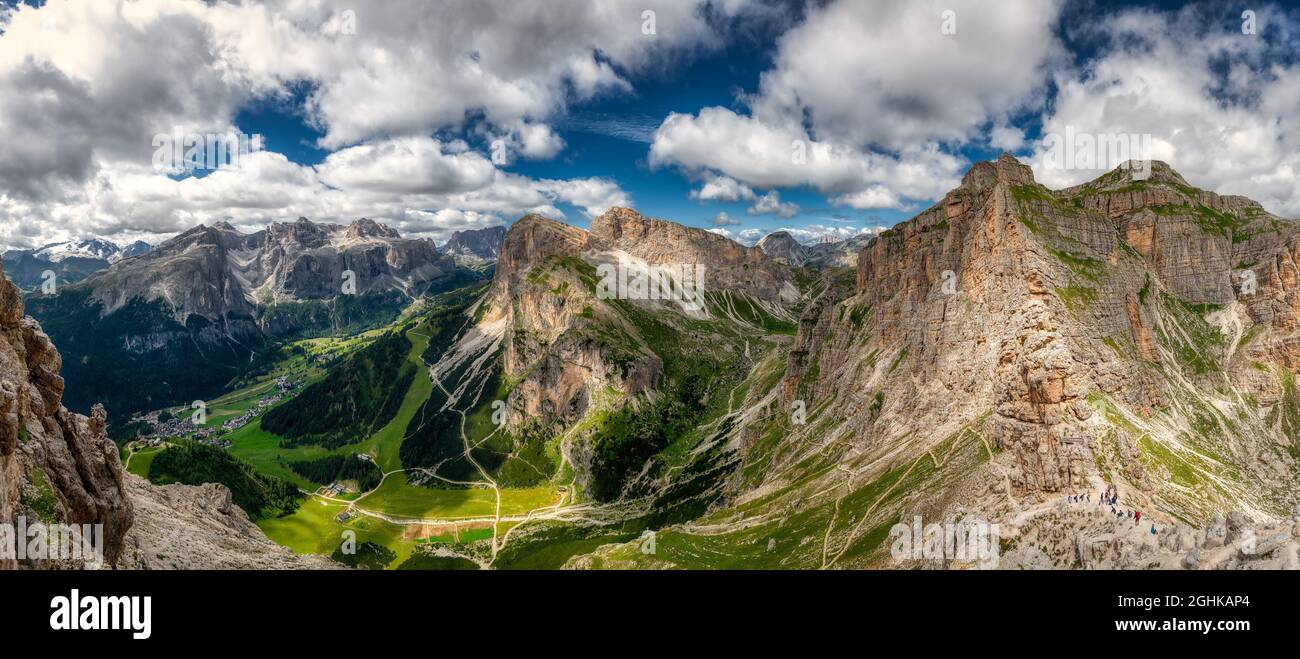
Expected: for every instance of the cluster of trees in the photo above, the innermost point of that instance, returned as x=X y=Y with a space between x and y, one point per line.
x=433 y=435
x=122 y=433
x=339 y=468
x=631 y=437
x=342 y=315
x=365 y=556
x=433 y=438
x=352 y=402
x=425 y=561
x=192 y=463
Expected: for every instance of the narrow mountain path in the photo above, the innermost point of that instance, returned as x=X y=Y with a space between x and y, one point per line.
x=829 y=561
x=483 y=472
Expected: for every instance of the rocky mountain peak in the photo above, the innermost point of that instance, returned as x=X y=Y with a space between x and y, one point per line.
x=783 y=247
x=302 y=232
x=1007 y=169
x=368 y=228
x=612 y=223
x=778 y=238
x=1136 y=173
x=1157 y=171
x=730 y=265
x=532 y=239
x=624 y=228
x=1046 y=307
x=221 y=233
x=136 y=249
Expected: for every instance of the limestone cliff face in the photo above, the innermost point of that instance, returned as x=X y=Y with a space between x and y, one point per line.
x=1086 y=335
x=954 y=319
x=303 y=260
x=546 y=311
x=563 y=342
x=729 y=265
x=569 y=350
x=55 y=466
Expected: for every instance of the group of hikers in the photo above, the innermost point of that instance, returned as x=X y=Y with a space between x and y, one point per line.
x=1110 y=498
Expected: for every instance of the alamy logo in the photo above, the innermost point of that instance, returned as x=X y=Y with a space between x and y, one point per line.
x=182 y=152
x=949 y=282
x=678 y=282
x=1077 y=150
x=200 y=415
x=80 y=543
x=103 y=613
x=969 y=540
x=49 y=282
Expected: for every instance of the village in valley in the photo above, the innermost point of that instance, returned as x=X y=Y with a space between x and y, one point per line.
x=161 y=426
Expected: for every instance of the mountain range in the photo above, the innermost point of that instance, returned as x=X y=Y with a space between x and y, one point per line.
x=197 y=311
x=783 y=247
x=70 y=261
x=649 y=395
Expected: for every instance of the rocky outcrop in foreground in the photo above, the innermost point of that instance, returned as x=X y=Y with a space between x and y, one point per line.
x=58 y=467
x=55 y=466
x=1087 y=536
x=187 y=527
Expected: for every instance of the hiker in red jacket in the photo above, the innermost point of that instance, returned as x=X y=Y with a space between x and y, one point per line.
x=1137 y=518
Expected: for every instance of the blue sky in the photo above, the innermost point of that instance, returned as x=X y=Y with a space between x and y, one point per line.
x=610 y=135
x=393 y=111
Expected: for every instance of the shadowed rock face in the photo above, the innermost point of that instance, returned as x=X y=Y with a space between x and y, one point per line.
x=198 y=527
x=55 y=466
x=784 y=248
x=482 y=244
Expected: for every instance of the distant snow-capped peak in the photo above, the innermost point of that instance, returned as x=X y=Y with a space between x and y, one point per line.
x=90 y=248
